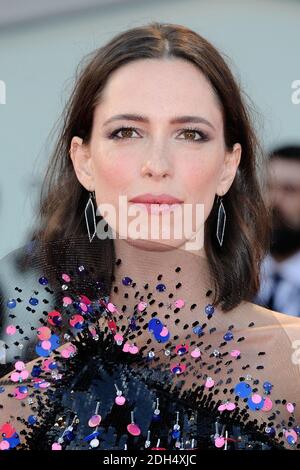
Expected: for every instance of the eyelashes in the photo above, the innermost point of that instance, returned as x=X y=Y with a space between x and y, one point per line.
x=203 y=136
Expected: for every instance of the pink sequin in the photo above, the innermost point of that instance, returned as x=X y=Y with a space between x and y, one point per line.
x=118 y=338
x=83 y=307
x=15 y=377
x=67 y=301
x=4 y=445
x=120 y=400
x=235 y=353
x=46 y=345
x=268 y=404
x=290 y=407
x=209 y=382
x=141 y=306
x=179 y=303
x=164 y=331
x=94 y=421
x=126 y=347
x=24 y=374
x=56 y=446
x=68 y=351
x=66 y=277
x=19 y=365
x=133 y=429
x=133 y=349
x=230 y=406
x=111 y=307
x=219 y=441
x=19 y=395
x=11 y=330
x=196 y=353
x=76 y=319
x=44 y=333
x=256 y=398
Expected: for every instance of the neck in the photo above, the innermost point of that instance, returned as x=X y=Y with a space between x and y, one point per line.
x=144 y=266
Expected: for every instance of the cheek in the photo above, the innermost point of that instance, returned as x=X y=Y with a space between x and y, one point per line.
x=112 y=176
x=200 y=179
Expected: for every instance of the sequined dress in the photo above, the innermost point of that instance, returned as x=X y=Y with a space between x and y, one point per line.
x=91 y=384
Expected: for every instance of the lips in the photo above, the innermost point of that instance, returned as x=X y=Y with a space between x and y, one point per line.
x=156 y=199
x=157 y=203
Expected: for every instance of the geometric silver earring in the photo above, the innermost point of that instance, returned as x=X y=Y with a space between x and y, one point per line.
x=221 y=221
x=90 y=216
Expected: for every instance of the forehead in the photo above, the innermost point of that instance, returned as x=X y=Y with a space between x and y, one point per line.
x=160 y=89
x=285 y=171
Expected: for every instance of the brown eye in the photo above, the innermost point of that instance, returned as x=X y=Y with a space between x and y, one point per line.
x=125 y=131
x=192 y=132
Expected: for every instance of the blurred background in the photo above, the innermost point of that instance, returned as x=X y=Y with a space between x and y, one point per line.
x=43 y=41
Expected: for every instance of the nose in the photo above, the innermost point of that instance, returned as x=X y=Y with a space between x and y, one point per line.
x=157 y=167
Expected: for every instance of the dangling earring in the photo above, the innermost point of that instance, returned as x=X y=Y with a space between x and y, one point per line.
x=221 y=221
x=90 y=216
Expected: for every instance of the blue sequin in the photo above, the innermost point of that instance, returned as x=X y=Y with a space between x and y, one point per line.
x=32 y=419
x=162 y=339
x=41 y=351
x=33 y=301
x=267 y=386
x=55 y=341
x=126 y=281
x=11 y=303
x=290 y=440
x=228 y=336
x=43 y=280
x=209 y=309
x=176 y=370
x=297 y=430
x=176 y=434
x=243 y=390
x=13 y=441
x=91 y=436
x=36 y=371
x=181 y=351
x=198 y=330
x=271 y=432
x=155 y=326
x=160 y=287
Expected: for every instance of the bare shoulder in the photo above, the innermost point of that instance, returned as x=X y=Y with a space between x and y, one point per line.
x=278 y=335
x=248 y=311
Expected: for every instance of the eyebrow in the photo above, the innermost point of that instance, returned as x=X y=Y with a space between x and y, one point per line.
x=174 y=120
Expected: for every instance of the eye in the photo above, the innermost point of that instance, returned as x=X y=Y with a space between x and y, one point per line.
x=128 y=130
x=192 y=131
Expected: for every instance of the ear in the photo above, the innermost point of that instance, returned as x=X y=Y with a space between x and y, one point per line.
x=82 y=162
x=230 y=166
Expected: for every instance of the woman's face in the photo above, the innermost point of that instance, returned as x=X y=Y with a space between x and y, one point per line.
x=157 y=155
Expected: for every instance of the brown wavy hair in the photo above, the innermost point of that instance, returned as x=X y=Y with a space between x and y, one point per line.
x=235 y=266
